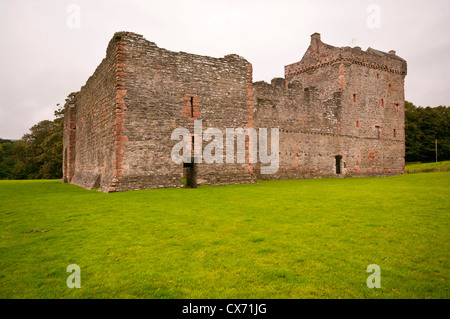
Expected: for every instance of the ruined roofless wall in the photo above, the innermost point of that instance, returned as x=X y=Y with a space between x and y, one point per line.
x=160 y=86
x=330 y=105
x=146 y=92
x=340 y=112
x=90 y=125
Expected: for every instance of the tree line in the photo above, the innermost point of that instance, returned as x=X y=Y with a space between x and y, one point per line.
x=423 y=127
x=38 y=155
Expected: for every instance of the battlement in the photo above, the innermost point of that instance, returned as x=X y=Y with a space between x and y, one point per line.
x=320 y=54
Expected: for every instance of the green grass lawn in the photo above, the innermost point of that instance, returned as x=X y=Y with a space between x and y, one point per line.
x=276 y=239
x=428 y=167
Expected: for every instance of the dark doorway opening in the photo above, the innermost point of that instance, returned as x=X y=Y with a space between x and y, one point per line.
x=190 y=170
x=338 y=163
x=190 y=174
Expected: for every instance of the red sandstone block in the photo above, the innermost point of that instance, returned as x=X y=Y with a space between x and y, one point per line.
x=120 y=65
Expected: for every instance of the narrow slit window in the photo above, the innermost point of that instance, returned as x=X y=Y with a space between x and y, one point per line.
x=192 y=108
x=377 y=131
x=395 y=133
x=193 y=151
x=354 y=97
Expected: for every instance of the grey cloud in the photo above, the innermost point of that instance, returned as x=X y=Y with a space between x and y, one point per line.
x=42 y=60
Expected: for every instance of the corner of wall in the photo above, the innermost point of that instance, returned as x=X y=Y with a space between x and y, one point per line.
x=120 y=137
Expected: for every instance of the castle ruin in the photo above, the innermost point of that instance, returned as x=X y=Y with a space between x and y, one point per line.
x=339 y=111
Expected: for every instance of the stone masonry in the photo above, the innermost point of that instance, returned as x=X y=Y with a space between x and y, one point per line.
x=339 y=111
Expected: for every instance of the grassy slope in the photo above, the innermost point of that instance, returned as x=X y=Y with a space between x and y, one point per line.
x=277 y=239
x=428 y=167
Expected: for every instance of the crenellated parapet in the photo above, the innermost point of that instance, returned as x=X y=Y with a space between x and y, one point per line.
x=320 y=54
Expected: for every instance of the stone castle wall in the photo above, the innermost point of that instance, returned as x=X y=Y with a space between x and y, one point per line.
x=89 y=133
x=160 y=85
x=340 y=112
x=336 y=102
x=146 y=93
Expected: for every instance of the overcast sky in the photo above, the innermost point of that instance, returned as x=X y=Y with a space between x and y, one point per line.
x=45 y=54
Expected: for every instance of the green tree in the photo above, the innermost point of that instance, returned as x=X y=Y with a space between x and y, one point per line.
x=44 y=148
x=38 y=154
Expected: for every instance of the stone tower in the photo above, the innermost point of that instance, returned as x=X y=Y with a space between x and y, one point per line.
x=340 y=113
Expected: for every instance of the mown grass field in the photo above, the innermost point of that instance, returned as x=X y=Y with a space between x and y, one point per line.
x=275 y=239
x=428 y=167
